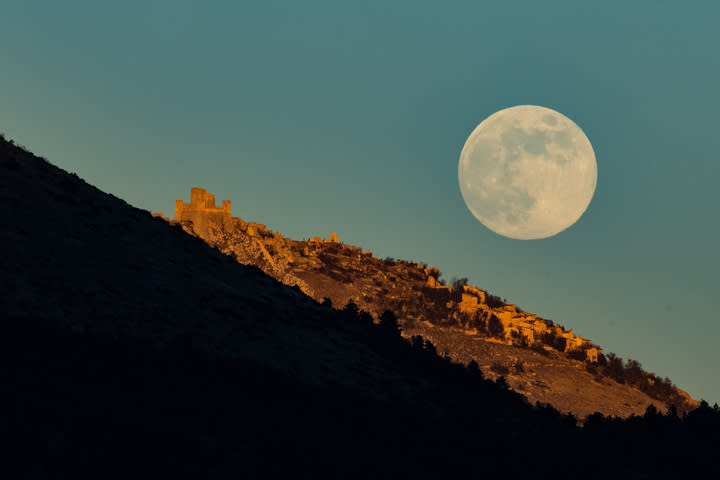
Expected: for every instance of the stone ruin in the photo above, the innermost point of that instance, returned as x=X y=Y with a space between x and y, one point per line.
x=204 y=214
x=202 y=211
x=516 y=324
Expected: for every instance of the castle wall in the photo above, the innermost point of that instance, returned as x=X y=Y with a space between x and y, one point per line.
x=203 y=212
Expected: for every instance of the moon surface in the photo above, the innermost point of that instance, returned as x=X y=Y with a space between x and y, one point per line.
x=527 y=172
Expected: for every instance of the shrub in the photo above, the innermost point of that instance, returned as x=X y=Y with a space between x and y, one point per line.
x=389 y=323
x=351 y=309
x=495 y=327
x=493 y=301
x=473 y=366
x=459 y=283
x=435 y=273
x=430 y=347
x=577 y=355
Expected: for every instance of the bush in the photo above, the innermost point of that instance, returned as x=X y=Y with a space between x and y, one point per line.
x=459 y=283
x=389 y=323
x=577 y=355
x=457 y=288
x=493 y=301
x=473 y=366
x=495 y=327
x=351 y=309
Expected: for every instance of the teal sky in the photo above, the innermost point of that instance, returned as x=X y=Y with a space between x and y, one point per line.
x=315 y=117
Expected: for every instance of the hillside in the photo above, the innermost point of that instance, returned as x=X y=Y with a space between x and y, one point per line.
x=130 y=348
x=88 y=261
x=126 y=341
x=544 y=362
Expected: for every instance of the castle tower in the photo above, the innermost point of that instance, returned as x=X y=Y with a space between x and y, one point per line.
x=202 y=212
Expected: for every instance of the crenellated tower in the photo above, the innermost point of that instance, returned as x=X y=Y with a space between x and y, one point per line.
x=203 y=212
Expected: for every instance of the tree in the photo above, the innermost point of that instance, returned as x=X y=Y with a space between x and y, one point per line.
x=417 y=343
x=495 y=327
x=430 y=347
x=365 y=318
x=474 y=369
x=351 y=309
x=459 y=283
x=615 y=368
x=633 y=371
x=389 y=323
x=493 y=301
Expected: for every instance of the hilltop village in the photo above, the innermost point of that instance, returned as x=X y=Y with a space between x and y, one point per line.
x=373 y=284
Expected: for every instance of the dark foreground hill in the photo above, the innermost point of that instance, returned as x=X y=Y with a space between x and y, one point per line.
x=129 y=347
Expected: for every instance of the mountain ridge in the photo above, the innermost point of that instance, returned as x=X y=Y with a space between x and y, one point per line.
x=130 y=346
x=532 y=353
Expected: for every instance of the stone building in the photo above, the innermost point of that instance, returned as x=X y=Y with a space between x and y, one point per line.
x=202 y=212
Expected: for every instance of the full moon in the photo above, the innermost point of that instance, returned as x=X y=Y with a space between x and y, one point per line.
x=527 y=172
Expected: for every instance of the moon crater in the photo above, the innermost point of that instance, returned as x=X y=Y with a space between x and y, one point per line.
x=527 y=172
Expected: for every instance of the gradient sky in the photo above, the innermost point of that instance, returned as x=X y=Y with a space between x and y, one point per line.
x=315 y=117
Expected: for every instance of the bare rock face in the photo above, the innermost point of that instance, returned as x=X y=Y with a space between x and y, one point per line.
x=540 y=360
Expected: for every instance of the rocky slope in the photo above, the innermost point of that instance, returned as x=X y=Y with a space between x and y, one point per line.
x=129 y=346
x=544 y=362
x=85 y=260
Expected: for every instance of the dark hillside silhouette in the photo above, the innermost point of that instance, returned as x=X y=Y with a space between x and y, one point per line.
x=131 y=349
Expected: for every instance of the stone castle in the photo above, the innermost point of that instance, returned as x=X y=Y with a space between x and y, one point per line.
x=201 y=211
x=204 y=214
